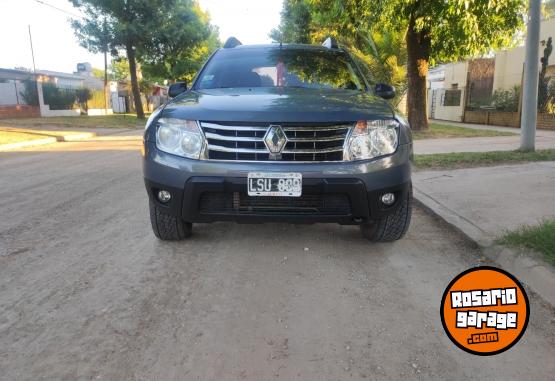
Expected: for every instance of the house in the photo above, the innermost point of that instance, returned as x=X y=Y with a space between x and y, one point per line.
x=12 y=89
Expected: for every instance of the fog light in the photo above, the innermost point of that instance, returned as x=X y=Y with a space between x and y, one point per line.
x=164 y=196
x=388 y=198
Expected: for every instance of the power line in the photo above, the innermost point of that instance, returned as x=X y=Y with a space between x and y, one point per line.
x=58 y=9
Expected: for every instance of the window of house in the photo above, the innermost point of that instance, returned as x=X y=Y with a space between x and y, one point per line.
x=452 y=98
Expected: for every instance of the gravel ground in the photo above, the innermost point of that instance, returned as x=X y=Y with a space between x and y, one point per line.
x=87 y=292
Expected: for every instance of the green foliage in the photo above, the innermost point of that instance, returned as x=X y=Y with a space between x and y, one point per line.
x=30 y=94
x=506 y=100
x=540 y=238
x=57 y=98
x=480 y=159
x=443 y=131
x=438 y=31
x=129 y=25
x=457 y=29
x=146 y=86
x=98 y=73
x=119 y=69
x=83 y=94
x=546 y=86
x=182 y=43
x=380 y=53
x=295 y=23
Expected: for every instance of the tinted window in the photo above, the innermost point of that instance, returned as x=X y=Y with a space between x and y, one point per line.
x=276 y=67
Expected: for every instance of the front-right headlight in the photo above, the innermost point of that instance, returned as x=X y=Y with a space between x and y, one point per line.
x=180 y=137
x=373 y=138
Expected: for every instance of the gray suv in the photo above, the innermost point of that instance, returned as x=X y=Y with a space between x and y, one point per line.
x=283 y=133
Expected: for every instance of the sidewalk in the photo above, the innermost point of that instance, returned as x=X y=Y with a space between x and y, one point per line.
x=483 y=203
x=545 y=139
x=46 y=135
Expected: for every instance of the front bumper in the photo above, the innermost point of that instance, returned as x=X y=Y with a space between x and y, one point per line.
x=360 y=183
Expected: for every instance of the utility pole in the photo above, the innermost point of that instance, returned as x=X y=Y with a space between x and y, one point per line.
x=105 y=48
x=32 y=52
x=530 y=88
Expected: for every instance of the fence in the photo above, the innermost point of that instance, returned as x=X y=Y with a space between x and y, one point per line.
x=13 y=103
x=505 y=103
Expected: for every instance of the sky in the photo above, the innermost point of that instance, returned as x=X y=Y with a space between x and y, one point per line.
x=56 y=47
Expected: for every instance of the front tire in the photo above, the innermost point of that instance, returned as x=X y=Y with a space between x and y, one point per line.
x=391 y=227
x=168 y=227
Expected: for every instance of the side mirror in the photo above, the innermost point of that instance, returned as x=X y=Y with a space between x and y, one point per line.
x=177 y=88
x=385 y=91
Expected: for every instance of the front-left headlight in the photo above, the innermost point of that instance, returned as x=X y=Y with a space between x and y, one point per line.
x=180 y=137
x=372 y=138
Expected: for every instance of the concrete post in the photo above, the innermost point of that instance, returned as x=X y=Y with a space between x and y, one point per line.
x=42 y=107
x=530 y=88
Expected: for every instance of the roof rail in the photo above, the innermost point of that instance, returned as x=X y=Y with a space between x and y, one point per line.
x=231 y=43
x=331 y=43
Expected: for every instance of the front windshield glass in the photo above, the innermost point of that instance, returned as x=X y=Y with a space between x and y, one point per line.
x=275 y=67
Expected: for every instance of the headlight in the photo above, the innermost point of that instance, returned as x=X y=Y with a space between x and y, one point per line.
x=180 y=137
x=372 y=138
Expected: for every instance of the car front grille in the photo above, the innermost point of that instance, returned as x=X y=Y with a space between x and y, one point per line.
x=305 y=142
x=241 y=203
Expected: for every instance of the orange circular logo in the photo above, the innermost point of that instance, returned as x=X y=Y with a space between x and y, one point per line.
x=485 y=310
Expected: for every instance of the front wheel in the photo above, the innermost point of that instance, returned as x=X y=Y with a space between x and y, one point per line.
x=391 y=227
x=168 y=227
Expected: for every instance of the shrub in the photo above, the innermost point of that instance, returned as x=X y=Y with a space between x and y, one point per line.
x=83 y=95
x=58 y=99
x=506 y=100
x=30 y=94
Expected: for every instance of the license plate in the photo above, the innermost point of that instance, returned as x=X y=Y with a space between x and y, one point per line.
x=275 y=184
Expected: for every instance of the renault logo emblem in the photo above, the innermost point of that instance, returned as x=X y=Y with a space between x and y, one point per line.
x=275 y=140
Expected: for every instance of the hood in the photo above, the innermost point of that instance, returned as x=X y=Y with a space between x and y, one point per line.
x=275 y=105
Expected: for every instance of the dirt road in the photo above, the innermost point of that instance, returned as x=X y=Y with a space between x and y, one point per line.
x=87 y=292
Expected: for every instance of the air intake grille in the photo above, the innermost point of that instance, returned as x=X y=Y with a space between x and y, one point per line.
x=307 y=142
x=241 y=203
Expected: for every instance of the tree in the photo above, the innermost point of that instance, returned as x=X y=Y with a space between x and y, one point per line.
x=119 y=69
x=381 y=52
x=295 y=23
x=443 y=31
x=121 y=25
x=181 y=45
x=544 y=93
x=98 y=73
x=434 y=31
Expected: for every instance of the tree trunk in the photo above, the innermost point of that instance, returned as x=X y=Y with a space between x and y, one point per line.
x=134 y=82
x=418 y=57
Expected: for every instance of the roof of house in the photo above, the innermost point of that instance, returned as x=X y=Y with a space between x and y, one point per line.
x=59 y=74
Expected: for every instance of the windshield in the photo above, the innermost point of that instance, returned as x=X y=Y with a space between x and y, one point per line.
x=275 y=67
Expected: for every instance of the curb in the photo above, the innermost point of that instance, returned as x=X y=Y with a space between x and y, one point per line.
x=27 y=143
x=530 y=269
x=76 y=137
x=49 y=140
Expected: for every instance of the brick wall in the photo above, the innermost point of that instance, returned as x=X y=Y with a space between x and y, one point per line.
x=546 y=121
x=19 y=111
x=507 y=119
x=477 y=117
x=503 y=118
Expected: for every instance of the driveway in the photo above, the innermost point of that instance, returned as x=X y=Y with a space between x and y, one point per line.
x=87 y=292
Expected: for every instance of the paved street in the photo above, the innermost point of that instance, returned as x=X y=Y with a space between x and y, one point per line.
x=87 y=292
